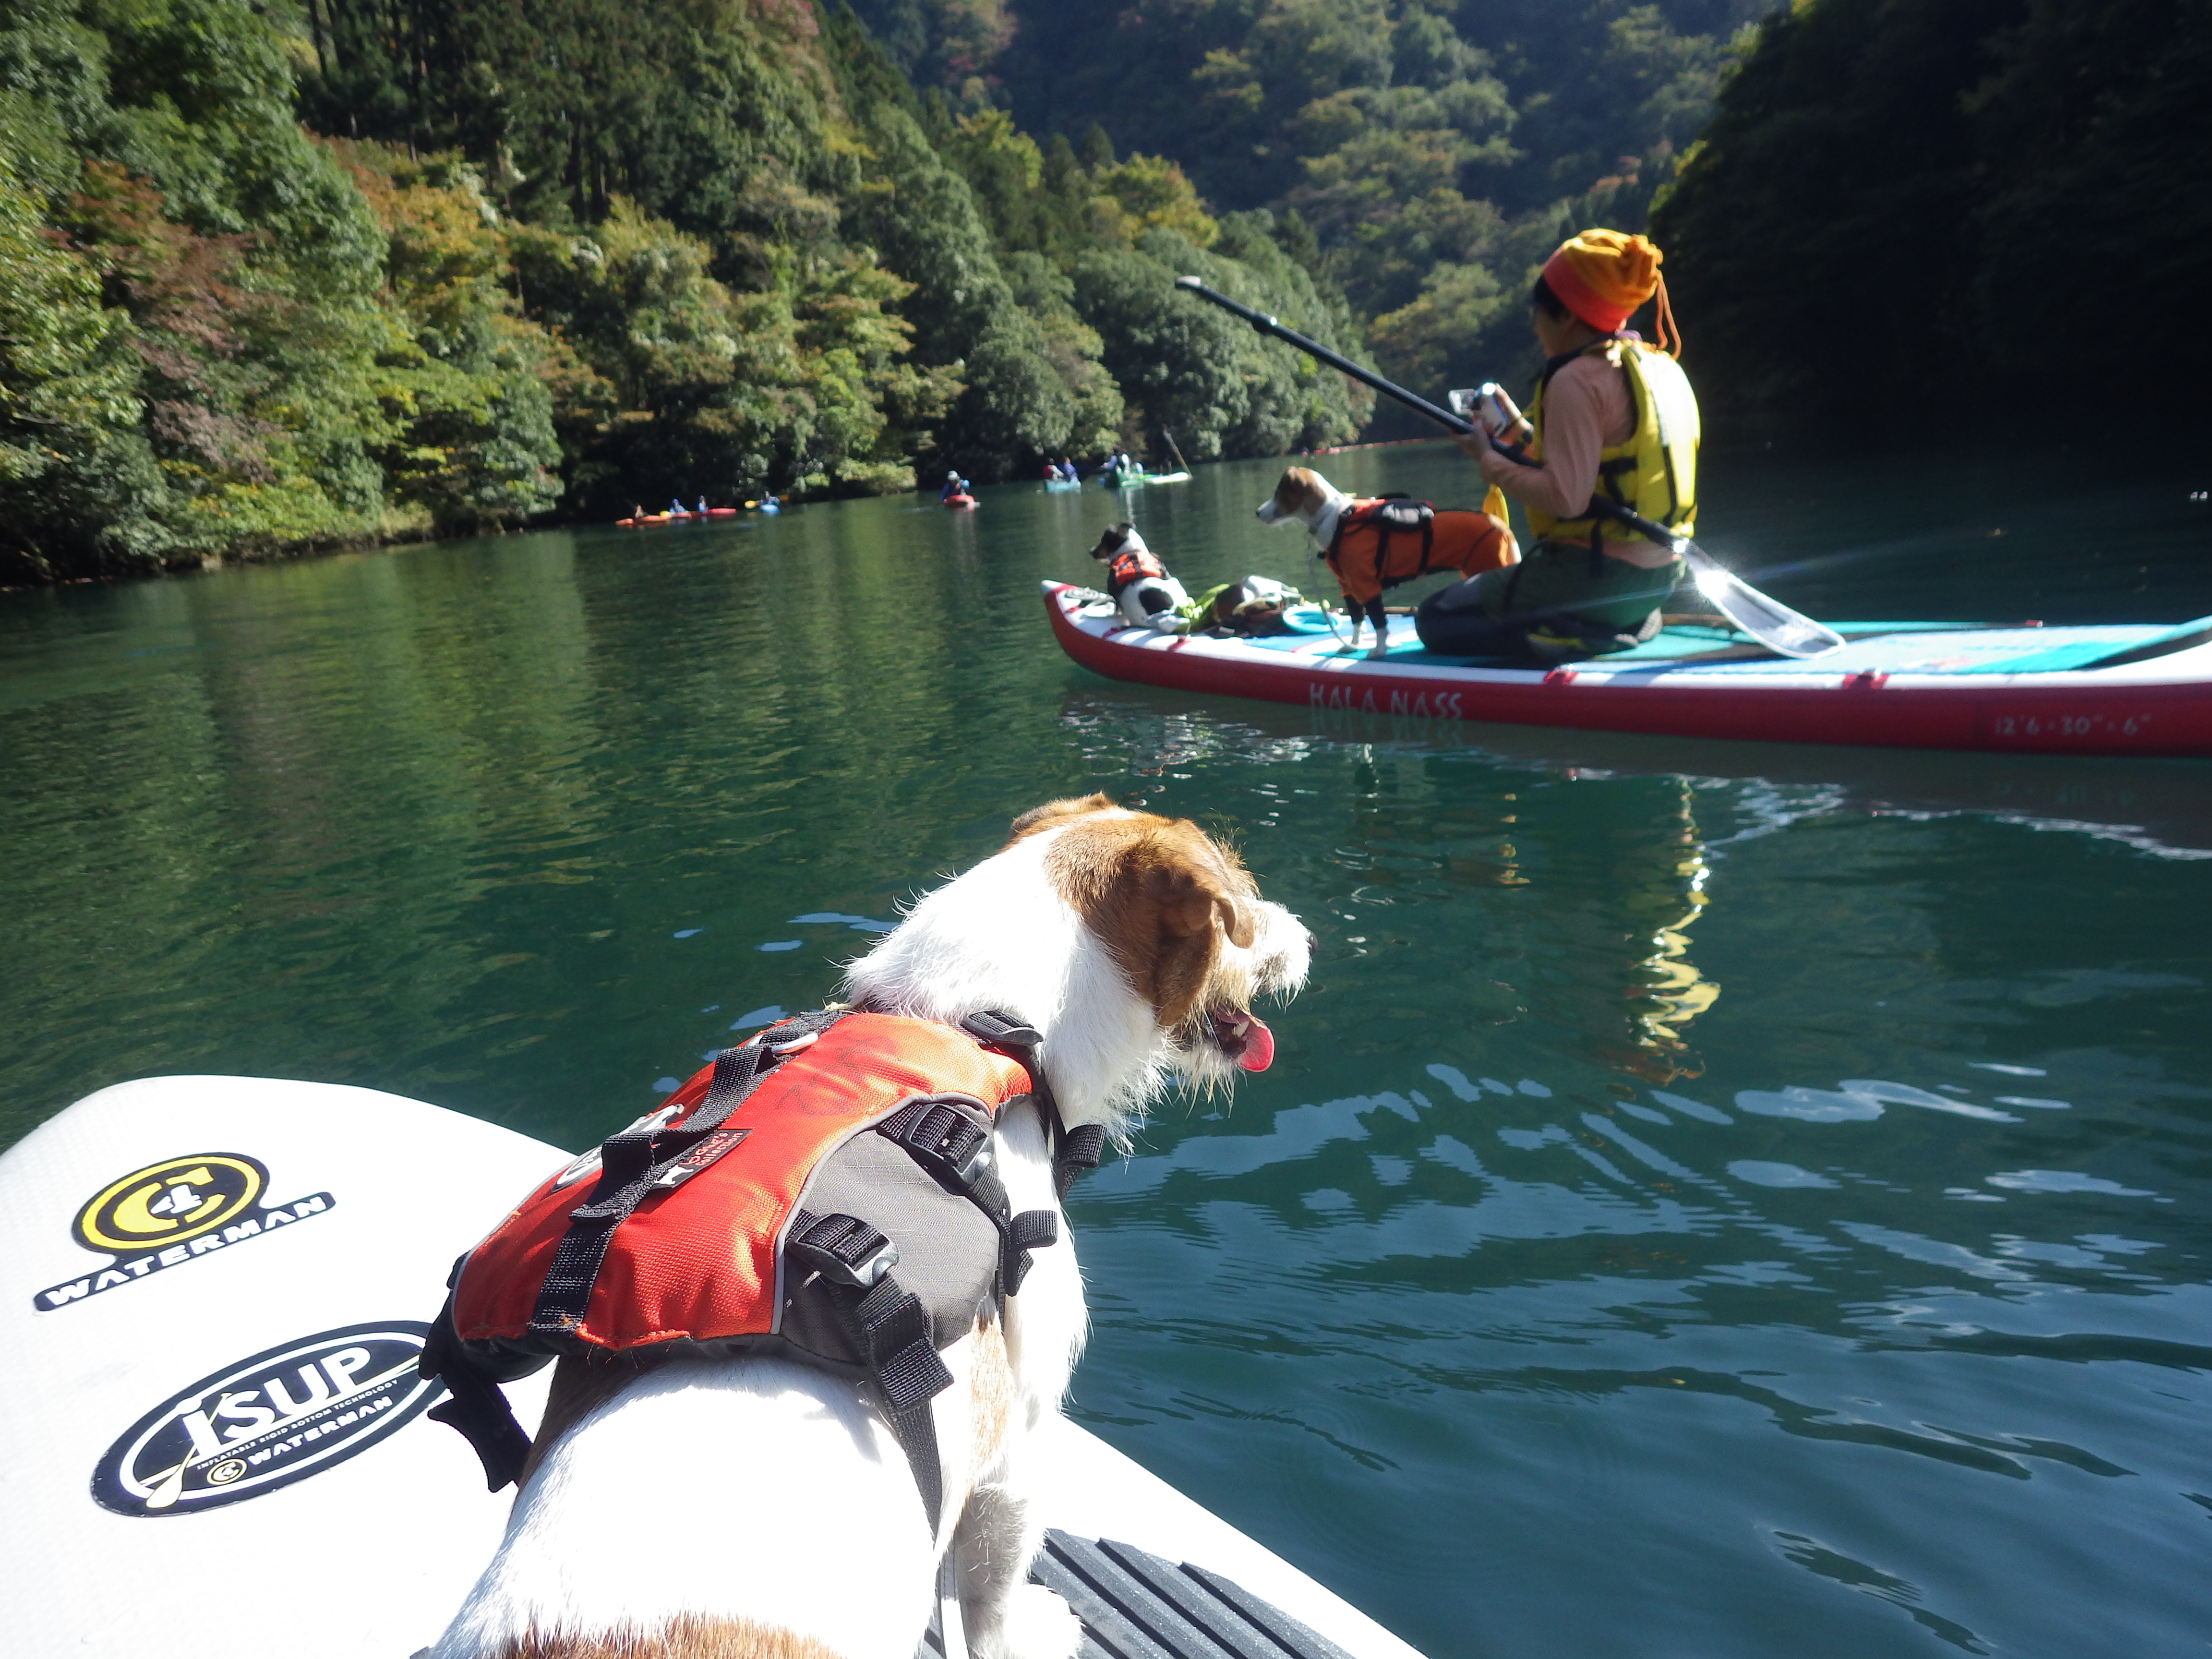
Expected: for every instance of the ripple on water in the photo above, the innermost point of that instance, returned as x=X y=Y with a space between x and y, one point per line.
x=1761 y=1173
x=2062 y=1181
x=1561 y=1372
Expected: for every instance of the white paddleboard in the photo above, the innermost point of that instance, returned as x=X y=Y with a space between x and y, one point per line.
x=212 y=1436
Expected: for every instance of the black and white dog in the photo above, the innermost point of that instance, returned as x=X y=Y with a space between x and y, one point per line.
x=1137 y=582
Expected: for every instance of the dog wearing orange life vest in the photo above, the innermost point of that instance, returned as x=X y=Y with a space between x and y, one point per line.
x=1374 y=544
x=758 y=1508
x=1137 y=583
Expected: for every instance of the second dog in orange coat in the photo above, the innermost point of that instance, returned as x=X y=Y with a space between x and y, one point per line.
x=1374 y=544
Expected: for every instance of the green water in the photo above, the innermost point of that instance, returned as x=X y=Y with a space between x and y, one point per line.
x=1551 y=1295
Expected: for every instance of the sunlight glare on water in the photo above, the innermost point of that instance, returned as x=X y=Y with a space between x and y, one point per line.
x=1710 y=1201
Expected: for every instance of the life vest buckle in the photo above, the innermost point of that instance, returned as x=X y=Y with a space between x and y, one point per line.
x=846 y=1250
x=945 y=1141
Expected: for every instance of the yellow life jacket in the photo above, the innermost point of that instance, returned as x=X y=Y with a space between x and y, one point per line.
x=1656 y=472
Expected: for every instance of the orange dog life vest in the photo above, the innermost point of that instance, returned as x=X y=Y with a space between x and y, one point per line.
x=762 y=1208
x=1134 y=565
x=1380 y=542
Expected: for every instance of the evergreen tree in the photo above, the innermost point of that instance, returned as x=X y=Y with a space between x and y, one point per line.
x=1890 y=199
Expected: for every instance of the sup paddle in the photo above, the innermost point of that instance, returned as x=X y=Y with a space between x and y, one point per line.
x=1173 y=450
x=1773 y=623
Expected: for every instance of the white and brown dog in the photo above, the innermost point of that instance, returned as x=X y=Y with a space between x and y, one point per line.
x=1137 y=582
x=756 y=1508
x=1368 y=554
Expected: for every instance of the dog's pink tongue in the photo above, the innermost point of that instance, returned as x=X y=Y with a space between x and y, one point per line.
x=1259 y=1046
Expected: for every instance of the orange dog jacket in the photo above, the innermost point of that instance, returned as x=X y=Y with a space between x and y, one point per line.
x=762 y=1207
x=1381 y=542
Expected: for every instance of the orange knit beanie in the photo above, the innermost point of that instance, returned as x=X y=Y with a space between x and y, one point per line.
x=1602 y=275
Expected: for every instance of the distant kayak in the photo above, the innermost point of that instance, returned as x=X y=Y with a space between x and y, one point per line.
x=675 y=518
x=955 y=503
x=1057 y=485
x=2125 y=690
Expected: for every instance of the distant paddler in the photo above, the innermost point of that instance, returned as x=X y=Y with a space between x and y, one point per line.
x=1611 y=414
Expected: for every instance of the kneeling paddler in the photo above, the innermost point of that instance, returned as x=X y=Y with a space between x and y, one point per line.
x=1612 y=415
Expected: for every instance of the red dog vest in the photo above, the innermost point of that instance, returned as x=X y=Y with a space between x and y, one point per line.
x=762 y=1207
x=1134 y=565
x=1381 y=543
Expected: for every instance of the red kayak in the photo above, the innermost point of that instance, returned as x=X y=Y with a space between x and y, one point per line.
x=958 y=502
x=675 y=518
x=2123 y=689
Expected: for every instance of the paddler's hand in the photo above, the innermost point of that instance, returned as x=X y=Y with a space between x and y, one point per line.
x=1475 y=444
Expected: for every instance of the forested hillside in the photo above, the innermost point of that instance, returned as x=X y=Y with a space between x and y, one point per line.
x=276 y=275
x=271 y=279
x=1422 y=155
x=1983 y=200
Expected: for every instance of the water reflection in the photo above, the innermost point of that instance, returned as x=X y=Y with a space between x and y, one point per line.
x=1537 y=1238
x=1613 y=877
x=1542 y=1299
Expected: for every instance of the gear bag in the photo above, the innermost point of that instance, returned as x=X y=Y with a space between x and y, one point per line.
x=762 y=1208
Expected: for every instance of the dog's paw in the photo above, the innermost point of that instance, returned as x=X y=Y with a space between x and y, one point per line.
x=1036 y=1624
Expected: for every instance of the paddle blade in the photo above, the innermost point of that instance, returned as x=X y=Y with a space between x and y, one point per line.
x=1773 y=623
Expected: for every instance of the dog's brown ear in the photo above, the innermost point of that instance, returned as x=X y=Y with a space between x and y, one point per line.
x=1152 y=890
x=1041 y=817
x=1191 y=900
x=1184 y=900
x=1189 y=885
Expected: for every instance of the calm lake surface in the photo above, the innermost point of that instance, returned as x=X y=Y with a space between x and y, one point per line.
x=1712 y=1200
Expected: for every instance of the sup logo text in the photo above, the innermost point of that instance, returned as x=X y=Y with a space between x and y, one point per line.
x=287 y=1412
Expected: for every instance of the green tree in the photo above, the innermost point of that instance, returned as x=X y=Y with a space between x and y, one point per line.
x=241 y=267
x=1181 y=363
x=473 y=443
x=1888 y=199
x=66 y=381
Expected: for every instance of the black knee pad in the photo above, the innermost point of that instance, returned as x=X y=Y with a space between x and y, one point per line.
x=1467 y=633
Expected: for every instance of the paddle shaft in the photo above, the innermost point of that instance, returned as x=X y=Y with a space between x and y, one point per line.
x=1458 y=424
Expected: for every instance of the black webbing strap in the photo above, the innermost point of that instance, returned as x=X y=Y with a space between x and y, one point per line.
x=1075 y=1150
x=1606 y=485
x=955 y=1150
x=474 y=1404
x=636 y=1163
x=1080 y=1149
x=890 y=1327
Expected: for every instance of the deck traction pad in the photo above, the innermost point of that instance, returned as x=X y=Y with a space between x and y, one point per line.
x=1134 y=1605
